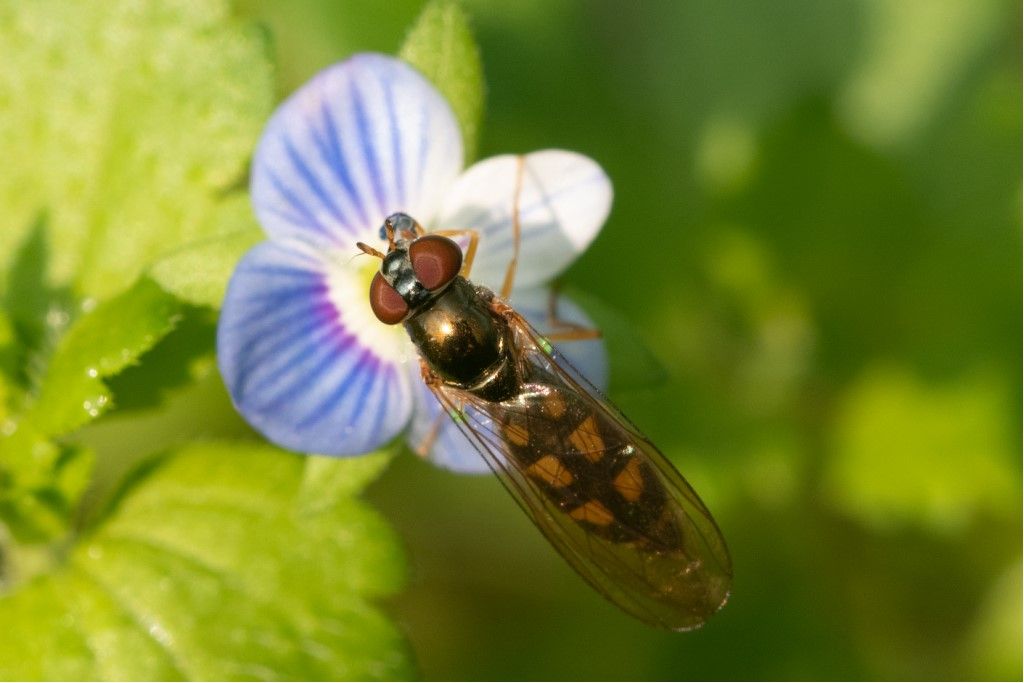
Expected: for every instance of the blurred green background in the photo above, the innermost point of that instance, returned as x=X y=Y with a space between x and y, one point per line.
x=816 y=233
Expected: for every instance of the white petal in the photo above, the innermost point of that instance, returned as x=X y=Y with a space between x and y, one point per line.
x=304 y=359
x=564 y=200
x=363 y=139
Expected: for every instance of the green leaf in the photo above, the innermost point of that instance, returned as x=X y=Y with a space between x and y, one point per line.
x=327 y=478
x=186 y=355
x=40 y=479
x=199 y=272
x=42 y=482
x=212 y=565
x=100 y=344
x=910 y=453
x=38 y=312
x=10 y=368
x=441 y=45
x=126 y=123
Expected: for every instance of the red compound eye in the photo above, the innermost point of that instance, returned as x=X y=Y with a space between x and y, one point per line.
x=387 y=304
x=436 y=260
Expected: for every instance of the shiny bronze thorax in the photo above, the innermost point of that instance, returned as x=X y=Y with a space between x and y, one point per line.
x=463 y=342
x=461 y=339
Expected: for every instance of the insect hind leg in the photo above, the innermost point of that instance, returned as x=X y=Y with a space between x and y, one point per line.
x=513 y=264
x=561 y=330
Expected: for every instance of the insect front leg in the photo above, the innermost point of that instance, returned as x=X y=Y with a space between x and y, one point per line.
x=432 y=381
x=427 y=442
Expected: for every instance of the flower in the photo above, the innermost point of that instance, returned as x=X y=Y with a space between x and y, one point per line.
x=305 y=360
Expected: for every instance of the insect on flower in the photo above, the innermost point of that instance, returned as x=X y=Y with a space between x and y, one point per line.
x=600 y=492
x=319 y=366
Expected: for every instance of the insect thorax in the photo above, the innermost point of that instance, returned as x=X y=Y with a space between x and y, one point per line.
x=463 y=341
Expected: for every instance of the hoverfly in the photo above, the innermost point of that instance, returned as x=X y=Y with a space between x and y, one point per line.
x=601 y=493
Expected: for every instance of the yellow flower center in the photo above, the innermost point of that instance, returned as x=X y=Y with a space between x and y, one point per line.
x=349 y=286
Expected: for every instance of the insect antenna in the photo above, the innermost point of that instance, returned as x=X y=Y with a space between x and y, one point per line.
x=367 y=249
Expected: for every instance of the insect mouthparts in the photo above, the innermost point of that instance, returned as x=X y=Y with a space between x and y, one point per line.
x=401 y=226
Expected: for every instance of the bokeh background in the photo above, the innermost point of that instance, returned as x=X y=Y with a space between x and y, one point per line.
x=816 y=234
x=811 y=283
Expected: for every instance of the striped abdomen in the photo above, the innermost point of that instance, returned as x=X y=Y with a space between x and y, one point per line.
x=587 y=465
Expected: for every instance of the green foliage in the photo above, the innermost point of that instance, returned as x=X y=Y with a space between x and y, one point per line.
x=945 y=458
x=126 y=122
x=326 y=479
x=127 y=127
x=42 y=482
x=993 y=647
x=213 y=564
x=124 y=126
x=822 y=248
x=310 y=34
x=441 y=45
x=100 y=344
x=199 y=273
x=631 y=363
x=43 y=479
x=917 y=48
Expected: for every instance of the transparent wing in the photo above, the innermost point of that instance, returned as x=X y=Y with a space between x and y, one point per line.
x=601 y=493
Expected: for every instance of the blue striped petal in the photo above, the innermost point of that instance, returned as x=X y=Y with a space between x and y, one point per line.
x=451 y=449
x=304 y=359
x=363 y=139
x=564 y=200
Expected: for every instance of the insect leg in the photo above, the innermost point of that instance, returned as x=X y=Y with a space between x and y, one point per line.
x=427 y=442
x=566 y=330
x=474 y=241
x=422 y=449
x=424 y=446
x=581 y=334
x=510 y=272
